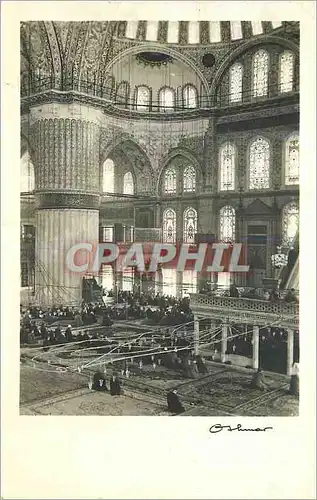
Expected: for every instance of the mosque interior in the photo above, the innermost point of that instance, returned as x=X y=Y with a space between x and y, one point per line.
x=159 y=132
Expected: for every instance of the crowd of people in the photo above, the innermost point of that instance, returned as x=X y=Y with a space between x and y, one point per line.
x=260 y=293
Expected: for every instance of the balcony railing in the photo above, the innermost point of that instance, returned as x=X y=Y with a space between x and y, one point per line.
x=91 y=85
x=246 y=310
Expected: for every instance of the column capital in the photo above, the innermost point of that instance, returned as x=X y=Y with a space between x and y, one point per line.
x=72 y=111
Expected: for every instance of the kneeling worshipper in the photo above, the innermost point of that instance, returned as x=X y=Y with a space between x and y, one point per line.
x=99 y=382
x=258 y=381
x=115 y=387
x=173 y=403
x=294 y=384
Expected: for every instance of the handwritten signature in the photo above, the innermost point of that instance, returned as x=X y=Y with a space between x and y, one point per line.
x=219 y=427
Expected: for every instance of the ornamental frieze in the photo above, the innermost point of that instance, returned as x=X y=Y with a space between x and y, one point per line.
x=67 y=200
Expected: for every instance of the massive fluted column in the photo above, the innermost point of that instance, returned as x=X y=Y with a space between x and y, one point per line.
x=65 y=139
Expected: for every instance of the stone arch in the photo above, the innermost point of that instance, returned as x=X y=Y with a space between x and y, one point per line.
x=241 y=49
x=164 y=50
x=141 y=167
x=167 y=159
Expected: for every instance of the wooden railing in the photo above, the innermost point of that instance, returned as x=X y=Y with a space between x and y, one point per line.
x=246 y=310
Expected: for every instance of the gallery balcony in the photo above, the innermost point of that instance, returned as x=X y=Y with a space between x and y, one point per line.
x=243 y=310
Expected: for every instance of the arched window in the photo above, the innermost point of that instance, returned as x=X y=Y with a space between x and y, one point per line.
x=169 y=226
x=292 y=160
x=260 y=73
x=108 y=176
x=27 y=181
x=286 y=71
x=259 y=177
x=227 y=224
x=170 y=180
x=190 y=96
x=122 y=96
x=167 y=99
x=235 y=82
x=128 y=184
x=189 y=179
x=107 y=87
x=189 y=225
x=290 y=224
x=143 y=96
x=227 y=167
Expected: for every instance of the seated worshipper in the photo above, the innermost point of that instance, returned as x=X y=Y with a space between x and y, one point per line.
x=258 y=381
x=99 y=382
x=294 y=384
x=173 y=403
x=115 y=388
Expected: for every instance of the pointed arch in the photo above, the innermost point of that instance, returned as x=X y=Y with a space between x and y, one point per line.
x=123 y=93
x=260 y=73
x=108 y=176
x=169 y=226
x=190 y=94
x=182 y=157
x=235 y=82
x=227 y=162
x=291 y=155
x=189 y=179
x=170 y=180
x=143 y=97
x=167 y=99
x=286 y=71
x=259 y=164
x=227 y=224
x=242 y=49
x=189 y=225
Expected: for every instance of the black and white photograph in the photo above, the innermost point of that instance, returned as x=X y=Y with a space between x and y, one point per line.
x=159 y=218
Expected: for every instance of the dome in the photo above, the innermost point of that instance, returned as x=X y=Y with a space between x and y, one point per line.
x=194 y=32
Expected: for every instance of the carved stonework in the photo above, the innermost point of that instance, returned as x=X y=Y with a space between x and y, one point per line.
x=66 y=154
x=67 y=200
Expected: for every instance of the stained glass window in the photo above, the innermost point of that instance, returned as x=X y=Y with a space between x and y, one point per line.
x=167 y=99
x=292 y=160
x=189 y=225
x=189 y=179
x=143 y=98
x=235 y=82
x=227 y=224
x=27 y=180
x=260 y=73
x=122 y=96
x=108 y=176
x=290 y=224
x=128 y=184
x=169 y=226
x=259 y=164
x=227 y=167
x=170 y=180
x=190 y=96
x=286 y=71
